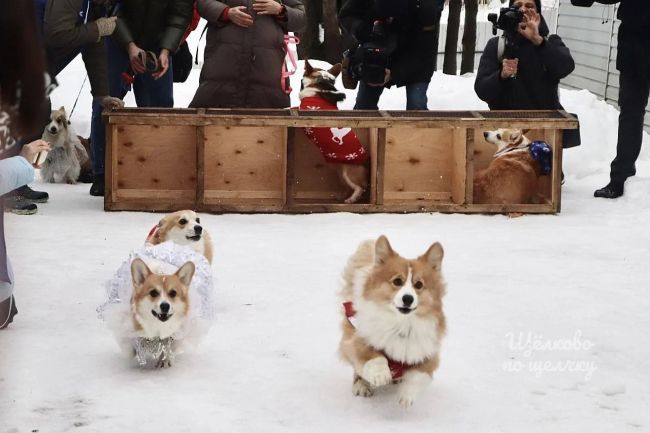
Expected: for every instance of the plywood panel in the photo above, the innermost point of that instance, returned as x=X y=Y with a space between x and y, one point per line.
x=418 y=160
x=154 y=158
x=244 y=163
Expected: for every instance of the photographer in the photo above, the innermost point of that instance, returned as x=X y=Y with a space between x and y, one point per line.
x=397 y=41
x=526 y=75
x=633 y=62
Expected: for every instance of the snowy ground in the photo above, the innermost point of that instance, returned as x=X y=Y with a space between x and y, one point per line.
x=574 y=283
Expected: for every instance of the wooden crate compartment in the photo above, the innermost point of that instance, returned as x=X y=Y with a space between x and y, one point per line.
x=316 y=180
x=484 y=153
x=139 y=164
x=242 y=168
x=424 y=164
x=261 y=161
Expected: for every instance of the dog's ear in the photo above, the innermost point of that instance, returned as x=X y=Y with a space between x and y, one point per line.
x=335 y=70
x=62 y=109
x=139 y=272
x=185 y=273
x=515 y=135
x=308 y=68
x=434 y=255
x=382 y=250
x=525 y=131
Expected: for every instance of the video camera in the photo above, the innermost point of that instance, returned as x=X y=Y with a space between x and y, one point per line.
x=508 y=20
x=368 y=62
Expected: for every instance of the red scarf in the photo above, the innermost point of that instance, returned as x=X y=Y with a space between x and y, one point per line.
x=336 y=144
x=397 y=369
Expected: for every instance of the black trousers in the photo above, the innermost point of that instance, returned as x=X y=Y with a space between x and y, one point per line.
x=632 y=100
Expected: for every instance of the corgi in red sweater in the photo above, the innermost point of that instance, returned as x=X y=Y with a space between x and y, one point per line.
x=339 y=146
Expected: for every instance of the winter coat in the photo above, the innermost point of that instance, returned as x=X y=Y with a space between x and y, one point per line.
x=413 y=24
x=242 y=67
x=14 y=172
x=539 y=72
x=633 y=50
x=65 y=36
x=153 y=24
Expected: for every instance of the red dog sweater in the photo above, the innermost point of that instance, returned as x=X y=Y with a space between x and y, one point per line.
x=336 y=144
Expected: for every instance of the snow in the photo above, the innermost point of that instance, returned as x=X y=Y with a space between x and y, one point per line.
x=547 y=314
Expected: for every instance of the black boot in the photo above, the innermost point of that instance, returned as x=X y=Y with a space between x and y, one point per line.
x=20 y=207
x=612 y=190
x=7 y=312
x=97 y=188
x=26 y=193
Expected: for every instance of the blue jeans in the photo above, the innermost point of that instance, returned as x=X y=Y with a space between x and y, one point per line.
x=368 y=96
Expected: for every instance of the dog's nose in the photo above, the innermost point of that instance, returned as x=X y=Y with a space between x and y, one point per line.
x=198 y=230
x=164 y=307
x=53 y=130
x=407 y=300
x=485 y=134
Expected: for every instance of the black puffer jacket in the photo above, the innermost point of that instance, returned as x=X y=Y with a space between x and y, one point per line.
x=540 y=70
x=413 y=24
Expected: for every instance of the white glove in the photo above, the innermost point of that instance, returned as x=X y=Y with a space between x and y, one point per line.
x=109 y=102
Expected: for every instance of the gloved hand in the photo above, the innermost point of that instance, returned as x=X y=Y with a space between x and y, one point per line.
x=109 y=102
x=106 y=25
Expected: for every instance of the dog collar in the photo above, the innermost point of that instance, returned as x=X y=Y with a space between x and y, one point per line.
x=541 y=152
x=507 y=150
x=397 y=369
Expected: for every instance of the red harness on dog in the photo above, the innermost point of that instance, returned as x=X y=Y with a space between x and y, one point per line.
x=152 y=231
x=397 y=369
x=336 y=144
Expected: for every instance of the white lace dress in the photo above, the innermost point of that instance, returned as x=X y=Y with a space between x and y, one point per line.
x=116 y=311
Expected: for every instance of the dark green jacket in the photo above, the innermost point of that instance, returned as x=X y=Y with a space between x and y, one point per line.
x=153 y=24
x=65 y=36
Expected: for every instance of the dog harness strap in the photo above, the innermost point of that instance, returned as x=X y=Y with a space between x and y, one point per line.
x=284 y=78
x=152 y=231
x=397 y=369
x=336 y=144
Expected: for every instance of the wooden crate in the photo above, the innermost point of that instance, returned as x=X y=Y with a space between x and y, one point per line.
x=261 y=160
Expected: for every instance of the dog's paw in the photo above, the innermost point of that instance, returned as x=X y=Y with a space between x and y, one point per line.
x=406 y=400
x=376 y=372
x=164 y=363
x=361 y=388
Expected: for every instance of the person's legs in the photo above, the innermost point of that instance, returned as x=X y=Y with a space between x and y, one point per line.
x=155 y=93
x=368 y=97
x=632 y=100
x=416 y=96
x=118 y=62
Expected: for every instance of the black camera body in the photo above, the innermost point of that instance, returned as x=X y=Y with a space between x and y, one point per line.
x=368 y=62
x=508 y=20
